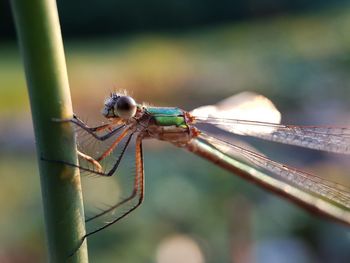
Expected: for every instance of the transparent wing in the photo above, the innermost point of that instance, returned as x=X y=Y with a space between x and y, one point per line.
x=331 y=139
x=308 y=182
x=243 y=106
x=256 y=116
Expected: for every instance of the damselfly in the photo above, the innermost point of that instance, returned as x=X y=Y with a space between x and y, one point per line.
x=246 y=114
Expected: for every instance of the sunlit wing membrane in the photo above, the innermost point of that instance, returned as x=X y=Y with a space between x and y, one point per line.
x=254 y=115
x=329 y=190
x=243 y=106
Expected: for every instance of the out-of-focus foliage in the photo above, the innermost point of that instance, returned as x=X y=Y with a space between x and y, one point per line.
x=107 y=17
x=301 y=62
x=303 y=54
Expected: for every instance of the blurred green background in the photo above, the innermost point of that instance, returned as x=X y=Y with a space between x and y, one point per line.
x=187 y=54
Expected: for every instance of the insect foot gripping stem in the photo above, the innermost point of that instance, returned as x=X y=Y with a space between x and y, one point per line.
x=75 y=250
x=92 y=161
x=62 y=120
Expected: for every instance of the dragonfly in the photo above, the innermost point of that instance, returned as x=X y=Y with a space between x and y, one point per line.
x=245 y=114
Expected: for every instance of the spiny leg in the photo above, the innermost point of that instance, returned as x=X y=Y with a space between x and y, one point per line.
x=91 y=160
x=138 y=192
x=95 y=162
x=132 y=195
x=93 y=130
x=83 y=125
x=138 y=187
x=114 y=144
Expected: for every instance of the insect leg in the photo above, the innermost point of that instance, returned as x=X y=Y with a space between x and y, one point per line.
x=94 y=130
x=138 y=194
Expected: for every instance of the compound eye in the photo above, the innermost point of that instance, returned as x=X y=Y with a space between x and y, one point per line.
x=125 y=107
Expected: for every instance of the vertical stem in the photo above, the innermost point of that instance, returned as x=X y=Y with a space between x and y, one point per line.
x=39 y=34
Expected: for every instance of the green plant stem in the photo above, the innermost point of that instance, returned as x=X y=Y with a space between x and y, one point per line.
x=39 y=34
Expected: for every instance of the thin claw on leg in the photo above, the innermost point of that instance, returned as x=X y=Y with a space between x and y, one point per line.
x=62 y=120
x=73 y=119
x=78 y=247
x=92 y=161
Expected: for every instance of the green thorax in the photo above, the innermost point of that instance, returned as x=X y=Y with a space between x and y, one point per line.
x=167 y=116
